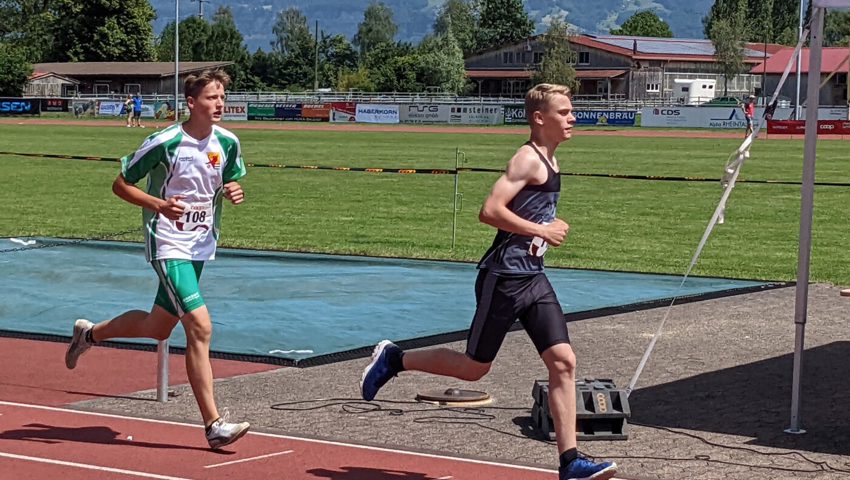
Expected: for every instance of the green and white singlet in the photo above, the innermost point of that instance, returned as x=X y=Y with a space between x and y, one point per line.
x=177 y=164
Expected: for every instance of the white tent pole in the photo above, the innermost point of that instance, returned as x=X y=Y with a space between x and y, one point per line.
x=806 y=209
x=797 y=105
x=162 y=346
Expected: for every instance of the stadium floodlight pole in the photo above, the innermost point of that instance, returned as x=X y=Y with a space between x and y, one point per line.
x=316 y=66
x=797 y=108
x=806 y=209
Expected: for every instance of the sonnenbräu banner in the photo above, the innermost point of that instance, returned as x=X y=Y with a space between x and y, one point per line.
x=605 y=117
x=19 y=106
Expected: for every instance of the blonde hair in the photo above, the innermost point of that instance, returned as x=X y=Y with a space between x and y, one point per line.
x=540 y=95
x=195 y=84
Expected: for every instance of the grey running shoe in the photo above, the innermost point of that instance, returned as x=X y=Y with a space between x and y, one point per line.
x=222 y=433
x=78 y=345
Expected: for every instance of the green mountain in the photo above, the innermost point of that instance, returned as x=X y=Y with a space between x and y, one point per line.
x=415 y=18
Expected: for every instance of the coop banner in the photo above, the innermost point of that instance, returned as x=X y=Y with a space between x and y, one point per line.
x=377 y=113
x=605 y=117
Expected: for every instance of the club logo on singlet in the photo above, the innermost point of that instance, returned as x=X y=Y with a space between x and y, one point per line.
x=214 y=159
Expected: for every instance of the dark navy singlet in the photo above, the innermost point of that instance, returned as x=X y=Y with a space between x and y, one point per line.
x=509 y=254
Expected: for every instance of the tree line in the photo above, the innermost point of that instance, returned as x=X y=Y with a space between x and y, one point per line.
x=301 y=58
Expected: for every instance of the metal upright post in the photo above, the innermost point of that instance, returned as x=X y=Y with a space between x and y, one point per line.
x=806 y=211
x=458 y=197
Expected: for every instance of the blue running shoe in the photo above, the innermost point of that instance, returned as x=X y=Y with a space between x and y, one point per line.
x=584 y=469
x=379 y=372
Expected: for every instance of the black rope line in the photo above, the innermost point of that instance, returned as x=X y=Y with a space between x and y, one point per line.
x=453 y=171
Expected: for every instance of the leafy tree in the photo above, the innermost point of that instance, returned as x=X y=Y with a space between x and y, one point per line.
x=775 y=21
x=441 y=64
x=377 y=27
x=336 y=57
x=728 y=38
x=360 y=79
x=393 y=67
x=556 y=66
x=295 y=46
x=644 y=24
x=194 y=36
x=15 y=70
x=837 y=28
x=103 y=30
x=226 y=43
x=28 y=25
x=502 y=22
x=264 y=68
x=460 y=18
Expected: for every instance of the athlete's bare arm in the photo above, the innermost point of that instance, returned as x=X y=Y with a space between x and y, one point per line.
x=171 y=208
x=525 y=168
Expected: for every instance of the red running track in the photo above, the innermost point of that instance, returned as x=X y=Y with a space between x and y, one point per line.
x=49 y=442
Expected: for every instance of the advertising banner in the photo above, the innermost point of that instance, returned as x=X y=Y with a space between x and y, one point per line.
x=108 y=108
x=424 y=113
x=605 y=117
x=798 y=127
x=476 y=114
x=235 y=111
x=515 y=115
x=319 y=112
x=261 y=111
x=377 y=113
x=701 y=117
x=343 y=112
x=54 y=105
x=84 y=108
x=19 y=106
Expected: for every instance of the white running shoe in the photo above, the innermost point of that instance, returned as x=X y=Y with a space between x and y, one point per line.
x=222 y=433
x=78 y=345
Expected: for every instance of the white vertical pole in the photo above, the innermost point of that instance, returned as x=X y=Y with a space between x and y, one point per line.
x=806 y=210
x=162 y=346
x=797 y=108
x=176 y=60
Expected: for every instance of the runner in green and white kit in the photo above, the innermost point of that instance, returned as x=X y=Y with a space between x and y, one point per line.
x=190 y=168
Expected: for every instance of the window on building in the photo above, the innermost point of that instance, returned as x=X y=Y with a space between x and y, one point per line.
x=653 y=87
x=583 y=58
x=69 y=90
x=841 y=79
x=538 y=58
x=101 y=88
x=132 y=88
x=505 y=58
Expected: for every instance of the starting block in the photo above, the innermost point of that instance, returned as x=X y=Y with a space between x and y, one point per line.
x=602 y=410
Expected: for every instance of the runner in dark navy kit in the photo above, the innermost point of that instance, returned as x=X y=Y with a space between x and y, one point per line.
x=511 y=284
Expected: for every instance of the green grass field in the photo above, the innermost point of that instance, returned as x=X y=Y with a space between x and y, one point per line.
x=624 y=225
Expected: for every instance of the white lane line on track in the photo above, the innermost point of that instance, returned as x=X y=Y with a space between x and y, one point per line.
x=89 y=467
x=249 y=459
x=288 y=437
